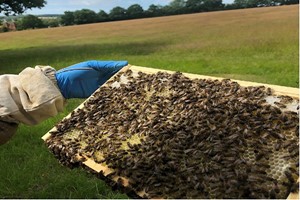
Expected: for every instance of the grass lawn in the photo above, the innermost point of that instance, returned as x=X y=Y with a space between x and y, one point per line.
x=258 y=45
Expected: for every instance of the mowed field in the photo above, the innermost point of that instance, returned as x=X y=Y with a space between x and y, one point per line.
x=259 y=44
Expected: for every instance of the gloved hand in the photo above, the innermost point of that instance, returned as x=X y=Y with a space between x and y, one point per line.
x=82 y=79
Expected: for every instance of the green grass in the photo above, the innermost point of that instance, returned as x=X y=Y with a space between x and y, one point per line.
x=258 y=45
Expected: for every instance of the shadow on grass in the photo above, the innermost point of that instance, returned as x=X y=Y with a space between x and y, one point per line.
x=14 y=60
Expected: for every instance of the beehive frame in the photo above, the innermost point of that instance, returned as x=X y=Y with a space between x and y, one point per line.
x=278 y=90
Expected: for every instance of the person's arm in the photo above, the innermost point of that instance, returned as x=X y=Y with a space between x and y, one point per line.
x=39 y=93
x=29 y=98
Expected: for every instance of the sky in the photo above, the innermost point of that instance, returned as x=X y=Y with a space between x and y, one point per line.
x=60 y=6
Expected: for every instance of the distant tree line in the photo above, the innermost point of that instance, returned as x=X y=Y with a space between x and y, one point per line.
x=135 y=11
x=176 y=7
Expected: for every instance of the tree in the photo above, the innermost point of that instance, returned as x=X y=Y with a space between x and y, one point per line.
x=3 y=27
x=117 y=13
x=195 y=5
x=211 y=5
x=255 y=3
x=154 y=11
x=68 y=18
x=102 y=16
x=51 y=22
x=241 y=3
x=8 y=7
x=166 y=10
x=178 y=6
x=135 y=11
x=30 y=22
x=85 y=16
x=287 y=2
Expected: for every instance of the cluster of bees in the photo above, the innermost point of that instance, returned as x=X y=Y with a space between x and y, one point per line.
x=174 y=137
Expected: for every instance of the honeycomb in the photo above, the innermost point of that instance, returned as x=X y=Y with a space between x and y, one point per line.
x=173 y=137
